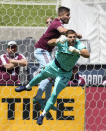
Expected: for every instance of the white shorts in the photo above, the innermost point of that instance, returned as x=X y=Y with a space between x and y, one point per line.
x=42 y=56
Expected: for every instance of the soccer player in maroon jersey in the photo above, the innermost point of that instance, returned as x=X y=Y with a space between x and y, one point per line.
x=49 y=21
x=43 y=51
x=10 y=64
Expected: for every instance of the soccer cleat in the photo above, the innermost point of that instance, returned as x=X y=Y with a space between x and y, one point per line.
x=22 y=88
x=40 y=120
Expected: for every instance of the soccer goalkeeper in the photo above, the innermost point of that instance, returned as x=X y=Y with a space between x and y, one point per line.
x=68 y=53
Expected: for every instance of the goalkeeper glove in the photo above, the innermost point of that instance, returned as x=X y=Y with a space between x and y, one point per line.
x=73 y=49
x=62 y=39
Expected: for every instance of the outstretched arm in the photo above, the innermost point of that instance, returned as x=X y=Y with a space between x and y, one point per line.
x=83 y=52
x=63 y=31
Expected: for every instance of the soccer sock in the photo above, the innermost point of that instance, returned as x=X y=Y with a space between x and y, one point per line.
x=28 y=86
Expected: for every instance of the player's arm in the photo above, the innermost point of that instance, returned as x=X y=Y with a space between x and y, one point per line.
x=22 y=62
x=83 y=52
x=52 y=42
x=63 y=31
x=5 y=62
x=61 y=39
x=9 y=66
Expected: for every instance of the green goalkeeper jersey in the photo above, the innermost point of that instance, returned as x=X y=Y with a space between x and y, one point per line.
x=67 y=59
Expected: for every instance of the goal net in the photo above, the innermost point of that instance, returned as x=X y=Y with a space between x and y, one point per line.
x=81 y=107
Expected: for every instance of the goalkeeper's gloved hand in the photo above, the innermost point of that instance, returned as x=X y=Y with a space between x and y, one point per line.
x=73 y=49
x=62 y=39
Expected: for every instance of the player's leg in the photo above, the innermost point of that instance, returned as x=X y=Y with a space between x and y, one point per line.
x=47 y=88
x=48 y=94
x=43 y=57
x=38 y=97
x=41 y=76
x=60 y=84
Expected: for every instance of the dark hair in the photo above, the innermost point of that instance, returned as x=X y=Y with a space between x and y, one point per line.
x=70 y=32
x=63 y=9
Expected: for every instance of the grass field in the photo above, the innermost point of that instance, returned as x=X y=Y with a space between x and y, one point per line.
x=25 y=15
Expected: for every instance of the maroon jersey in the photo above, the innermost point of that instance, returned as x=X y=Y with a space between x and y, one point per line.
x=50 y=33
x=10 y=76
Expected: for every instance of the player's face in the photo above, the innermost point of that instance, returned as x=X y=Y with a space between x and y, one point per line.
x=12 y=50
x=72 y=39
x=49 y=21
x=65 y=17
